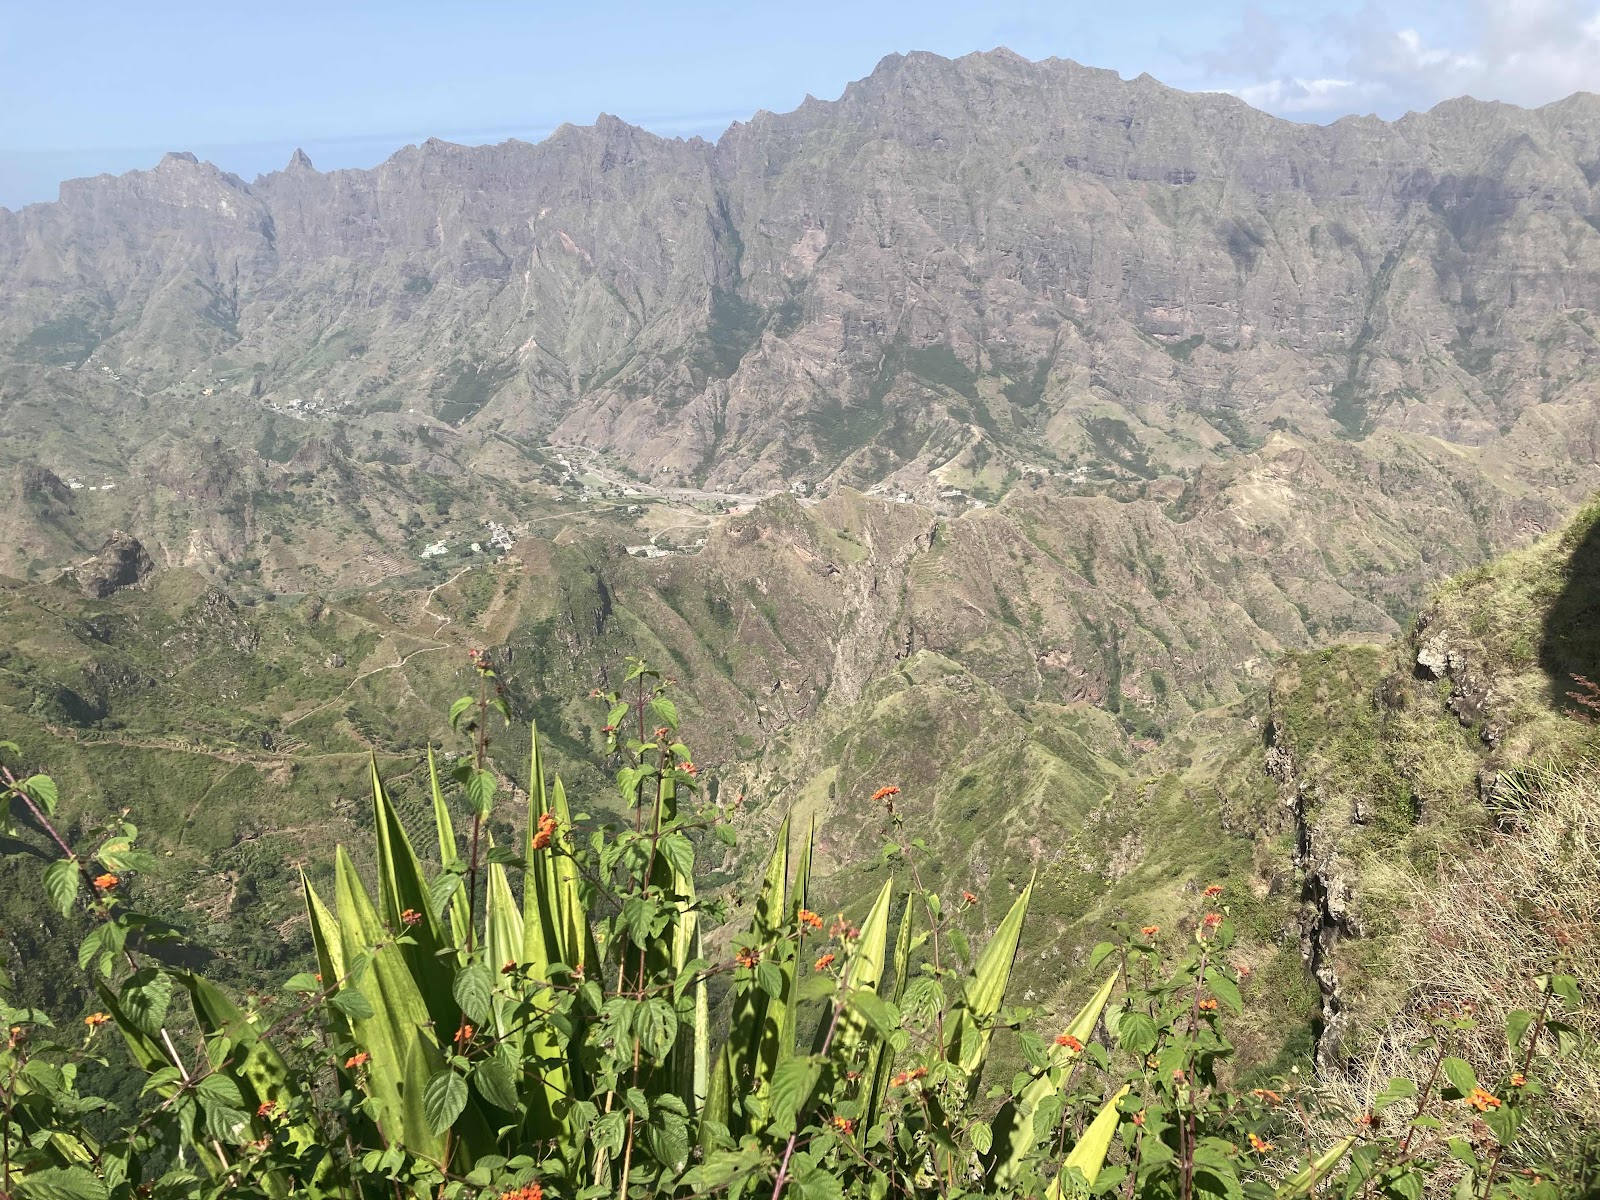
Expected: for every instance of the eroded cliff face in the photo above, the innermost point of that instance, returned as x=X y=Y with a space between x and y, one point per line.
x=955 y=261
x=1397 y=761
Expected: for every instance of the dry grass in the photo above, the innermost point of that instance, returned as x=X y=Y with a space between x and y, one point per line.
x=1524 y=903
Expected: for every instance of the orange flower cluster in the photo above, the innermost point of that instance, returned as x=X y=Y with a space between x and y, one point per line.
x=843 y=929
x=96 y=1019
x=1150 y=930
x=1211 y=920
x=1138 y=1118
x=1208 y=1005
x=1214 y=890
x=689 y=768
x=106 y=882
x=269 y=1111
x=1267 y=1094
x=823 y=963
x=747 y=958
x=1481 y=1100
x=528 y=1191
x=911 y=1076
x=1070 y=1042
x=969 y=897
x=411 y=917
x=546 y=830
x=884 y=793
x=1518 y=1079
x=464 y=1034
x=844 y=1125
x=479 y=659
x=357 y=1060
x=1260 y=1145
x=809 y=919
x=510 y=968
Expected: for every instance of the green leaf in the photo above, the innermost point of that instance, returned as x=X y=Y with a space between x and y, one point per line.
x=443 y=1100
x=665 y=711
x=474 y=992
x=61 y=879
x=352 y=1004
x=656 y=1027
x=496 y=1081
x=1101 y=952
x=1504 y=1121
x=1089 y=1155
x=679 y=853
x=1518 y=1022
x=1395 y=1091
x=480 y=791
x=792 y=1082
x=1460 y=1074
x=1137 y=1033
x=146 y=997
x=967 y=1035
x=221 y=1091
x=43 y=791
x=303 y=982
x=459 y=707
x=1225 y=990
x=1301 y=1184
x=61 y=1183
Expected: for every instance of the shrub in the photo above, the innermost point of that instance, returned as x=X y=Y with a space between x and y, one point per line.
x=454 y=1040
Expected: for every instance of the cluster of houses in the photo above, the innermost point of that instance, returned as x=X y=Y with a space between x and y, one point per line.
x=500 y=538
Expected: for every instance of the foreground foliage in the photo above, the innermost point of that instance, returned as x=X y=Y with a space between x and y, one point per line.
x=454 y=1038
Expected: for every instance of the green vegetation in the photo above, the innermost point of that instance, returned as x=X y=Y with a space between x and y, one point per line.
x=455 y=1039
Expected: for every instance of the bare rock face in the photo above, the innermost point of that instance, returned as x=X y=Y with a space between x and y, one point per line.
x=122 y=562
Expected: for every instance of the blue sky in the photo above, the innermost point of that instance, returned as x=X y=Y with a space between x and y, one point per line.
x=91 y=87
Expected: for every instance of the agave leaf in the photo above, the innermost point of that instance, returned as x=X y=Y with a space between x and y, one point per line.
x=576 y=934
x=502 y=934
x=460 y=910
x=400 y=1017
x=747 y=1059
x=786 y=1007
x=1304 y=1182
x=880 y=1057
x=325 y=936
x=863 y=968
x=1089 y=1155
x=967 y=1034
x=1014 y=1136
x=403 y=890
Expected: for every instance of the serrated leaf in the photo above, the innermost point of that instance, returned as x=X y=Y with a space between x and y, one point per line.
x=792 y=1082
x=221 y=1091
x=43 y=791
x=496 y=1081
x=61 y=1183
x=146 y=996
x=656 y=1027
x=665 y=711
x=61 y=880
x=474 y=992
x=458 y=708
x=443 y=1100
x=352 y=1004
x=480 y=791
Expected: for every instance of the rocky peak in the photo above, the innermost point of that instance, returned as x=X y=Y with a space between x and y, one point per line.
x=122 y=562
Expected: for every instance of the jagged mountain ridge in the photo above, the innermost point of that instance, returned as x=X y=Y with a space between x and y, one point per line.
x=956 y=261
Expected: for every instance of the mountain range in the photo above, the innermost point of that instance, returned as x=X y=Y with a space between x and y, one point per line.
x=1008 y=408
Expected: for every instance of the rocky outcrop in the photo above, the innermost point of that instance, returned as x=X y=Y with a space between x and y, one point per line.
x=956 y=259
x=122 y=562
